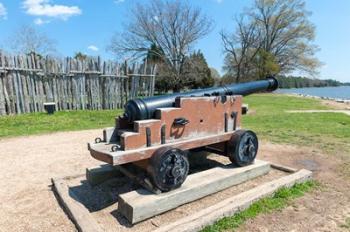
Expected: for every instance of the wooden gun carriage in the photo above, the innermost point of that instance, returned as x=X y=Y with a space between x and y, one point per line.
x=156 y=133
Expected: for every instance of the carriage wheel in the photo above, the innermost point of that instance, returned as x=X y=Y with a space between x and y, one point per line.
x=168 y=168
x=243 y=147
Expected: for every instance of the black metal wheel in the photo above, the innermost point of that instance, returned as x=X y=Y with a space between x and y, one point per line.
x=243 y=147
x=168 y=168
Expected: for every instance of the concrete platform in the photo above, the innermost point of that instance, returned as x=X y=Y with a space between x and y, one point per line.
x=140 y=204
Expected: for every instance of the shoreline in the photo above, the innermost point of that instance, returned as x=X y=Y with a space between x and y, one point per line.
x=339 y=94
x=338 y=100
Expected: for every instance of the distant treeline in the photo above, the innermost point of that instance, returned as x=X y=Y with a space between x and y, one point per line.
x=304 y=82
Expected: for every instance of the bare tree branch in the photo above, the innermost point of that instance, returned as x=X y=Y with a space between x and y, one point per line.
x=27 y=39
x=173 y=26
x=283 y=34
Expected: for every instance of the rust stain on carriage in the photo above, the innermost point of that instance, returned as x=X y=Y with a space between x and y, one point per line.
x=206 y=125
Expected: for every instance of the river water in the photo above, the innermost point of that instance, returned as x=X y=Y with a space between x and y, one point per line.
x=341 y=92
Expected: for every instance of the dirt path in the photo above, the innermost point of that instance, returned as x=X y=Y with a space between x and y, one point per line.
x=326 y=209
x=336 y=105
x=28 y=203
x=26 y=168
x=320 y=111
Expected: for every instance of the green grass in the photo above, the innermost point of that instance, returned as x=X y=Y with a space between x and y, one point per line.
x=39 y=123
x=346 y=225
x=327 y=131
x=279 y=200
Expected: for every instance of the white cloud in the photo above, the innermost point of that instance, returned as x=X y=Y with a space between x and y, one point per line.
x=119 y=1
x=46 y=9
x=93 y=48
x=39 y=21
x=3 y=11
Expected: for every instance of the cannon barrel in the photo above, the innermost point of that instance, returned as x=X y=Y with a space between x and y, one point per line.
x=139 y=109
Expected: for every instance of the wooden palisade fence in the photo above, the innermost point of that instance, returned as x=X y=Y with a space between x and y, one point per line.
x=27 y=81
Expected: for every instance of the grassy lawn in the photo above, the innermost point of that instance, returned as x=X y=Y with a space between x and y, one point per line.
x=39 y=123
x=326 y=131
x=278 y=201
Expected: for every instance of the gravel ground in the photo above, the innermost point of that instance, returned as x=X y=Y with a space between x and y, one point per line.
x=26 y=168
x=28 y=203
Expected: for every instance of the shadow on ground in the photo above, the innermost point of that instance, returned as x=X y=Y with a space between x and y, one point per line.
x=99 y=197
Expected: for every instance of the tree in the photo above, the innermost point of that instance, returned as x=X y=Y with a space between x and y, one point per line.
x=196 y=72
x=273 y=36
x=153 y=54
x=265 y=64
x=214 y=73
x=80 y=56
x=240 y=48
x=28 y=40
x=164 y=78
x=172 y=27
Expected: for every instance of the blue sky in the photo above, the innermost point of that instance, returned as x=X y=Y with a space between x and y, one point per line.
x=87 y=26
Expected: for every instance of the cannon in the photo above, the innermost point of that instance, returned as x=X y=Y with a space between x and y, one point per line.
x=157 y=134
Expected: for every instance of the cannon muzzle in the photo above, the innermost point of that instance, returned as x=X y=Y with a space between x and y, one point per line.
x=139 y=109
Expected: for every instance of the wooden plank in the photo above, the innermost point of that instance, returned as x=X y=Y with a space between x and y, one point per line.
x=69 y=86
x=283 y=168
x=18 y=87
x=234 y=204
x=99 y=174
x=64 y=86
x=55 y=90
x=104 y=153
x=25 y=85
x=2 y=97
x=154 y=71
x=2 y=87
x=30 y=60
x=7 y=98
x=47 y=82
x=75 y=210
x=27 y=78
x=14 y=86
x=40 y=86
x=140 y=204
x=10 y=88
x=82 y=91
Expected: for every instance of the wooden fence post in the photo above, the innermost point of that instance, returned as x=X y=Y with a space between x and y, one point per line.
x=27 y=81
